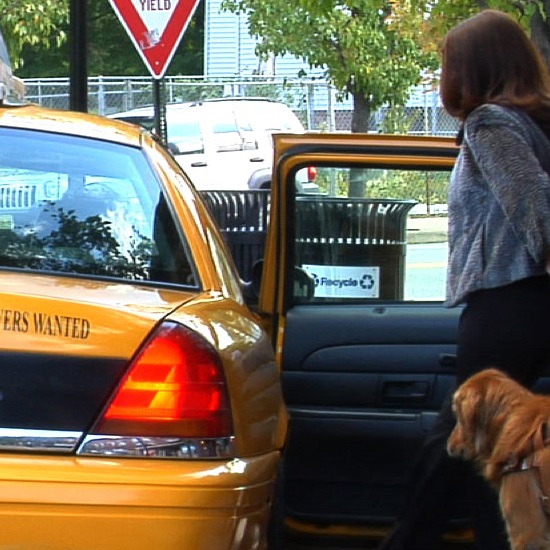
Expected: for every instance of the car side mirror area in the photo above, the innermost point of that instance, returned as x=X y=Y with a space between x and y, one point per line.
x=251 y=288
x=186 y=147
x=304 y=285
x=173 y=148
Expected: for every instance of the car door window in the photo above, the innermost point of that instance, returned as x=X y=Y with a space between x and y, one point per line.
x=368 y=236
x=230 y=134
x=186 y=135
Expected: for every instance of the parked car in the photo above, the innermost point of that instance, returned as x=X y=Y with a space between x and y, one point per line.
x=140 y=399
x=226 y=143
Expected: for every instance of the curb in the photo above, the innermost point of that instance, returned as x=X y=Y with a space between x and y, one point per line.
x=426 y=237
x=425 y=229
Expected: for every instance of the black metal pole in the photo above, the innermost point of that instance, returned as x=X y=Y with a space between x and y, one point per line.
x=78 y=38
x=160 y=109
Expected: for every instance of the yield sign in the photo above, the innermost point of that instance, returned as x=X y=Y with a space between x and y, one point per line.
x=155 y=27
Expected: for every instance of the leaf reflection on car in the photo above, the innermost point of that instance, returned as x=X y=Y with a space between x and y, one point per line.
x=77 y=245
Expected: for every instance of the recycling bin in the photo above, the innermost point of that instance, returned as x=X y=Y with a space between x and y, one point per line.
x=242 y=217
x=329 y=231
x=355 y=232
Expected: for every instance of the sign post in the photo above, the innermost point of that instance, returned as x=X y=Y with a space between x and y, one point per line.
x=159 y=98
x=156 y=28
x=78 y=38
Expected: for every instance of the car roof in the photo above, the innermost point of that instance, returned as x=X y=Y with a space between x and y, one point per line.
x=207 y=103
x=33 y=117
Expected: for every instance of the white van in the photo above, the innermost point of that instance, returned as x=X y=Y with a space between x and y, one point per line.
x=226 y=143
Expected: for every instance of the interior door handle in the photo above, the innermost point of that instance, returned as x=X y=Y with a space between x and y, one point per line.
x=199 y=164
x=405 y=391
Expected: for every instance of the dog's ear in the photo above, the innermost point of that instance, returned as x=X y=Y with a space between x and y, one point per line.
x=466 y=406
x=482 y=440
x=496 y=395
x=479 y=405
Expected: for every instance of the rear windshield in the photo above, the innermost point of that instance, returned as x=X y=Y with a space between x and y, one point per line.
x=85 y=207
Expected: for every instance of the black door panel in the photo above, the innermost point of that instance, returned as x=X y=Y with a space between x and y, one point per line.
x=363 y=385
x=351 y=390
x=360 y=467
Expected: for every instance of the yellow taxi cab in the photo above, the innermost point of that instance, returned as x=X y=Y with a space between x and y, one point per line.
x=367 y=355
x=149 y=397
x=140 y=401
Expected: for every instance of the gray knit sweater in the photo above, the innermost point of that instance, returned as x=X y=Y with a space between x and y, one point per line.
x=499 y=204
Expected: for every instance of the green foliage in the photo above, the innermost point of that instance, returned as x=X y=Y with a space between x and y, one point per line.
x=198 y=92
x=397 y=121
x=77 y=246
x=423 y=187
x=208 y=89
x=534 y=15
x=370 y=49
x=26 y=23
x=445 y=15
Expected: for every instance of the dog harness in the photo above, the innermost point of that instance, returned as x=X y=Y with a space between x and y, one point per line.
x=533 y=461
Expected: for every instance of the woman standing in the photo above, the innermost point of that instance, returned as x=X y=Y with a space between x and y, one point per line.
x=495 y=82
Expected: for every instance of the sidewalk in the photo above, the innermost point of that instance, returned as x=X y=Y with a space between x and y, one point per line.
x=422 y=230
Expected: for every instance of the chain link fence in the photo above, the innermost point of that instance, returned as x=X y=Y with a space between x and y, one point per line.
x=315 y=102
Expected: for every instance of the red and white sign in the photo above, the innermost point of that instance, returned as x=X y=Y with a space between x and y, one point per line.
x=155 y=27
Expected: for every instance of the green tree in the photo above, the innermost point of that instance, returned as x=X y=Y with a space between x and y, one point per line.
x=370 y=49
x=26 y=23
x=534 y=15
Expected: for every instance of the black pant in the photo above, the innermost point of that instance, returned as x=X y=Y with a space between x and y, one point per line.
x=507 y=328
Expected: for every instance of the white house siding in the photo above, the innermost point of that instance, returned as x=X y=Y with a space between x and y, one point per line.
x=229 y=48
x=221 y=41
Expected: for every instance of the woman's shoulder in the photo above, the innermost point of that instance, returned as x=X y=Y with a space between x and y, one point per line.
x=491 y=114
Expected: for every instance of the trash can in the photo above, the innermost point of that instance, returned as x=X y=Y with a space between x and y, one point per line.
x=358 y=232
x=242 y=217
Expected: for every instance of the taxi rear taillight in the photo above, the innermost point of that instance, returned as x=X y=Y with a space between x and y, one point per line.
x=172 y=402
x=311 y=173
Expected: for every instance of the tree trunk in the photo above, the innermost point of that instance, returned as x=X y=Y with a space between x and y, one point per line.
x=361 y=114
x=359 y=124
x=540 y=30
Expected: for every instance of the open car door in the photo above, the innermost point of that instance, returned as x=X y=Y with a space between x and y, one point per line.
x=353 y=286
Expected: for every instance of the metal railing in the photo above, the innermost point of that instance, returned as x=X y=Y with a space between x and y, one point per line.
x=314 y=102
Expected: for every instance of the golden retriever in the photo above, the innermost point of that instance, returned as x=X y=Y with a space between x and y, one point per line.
x=503 y=427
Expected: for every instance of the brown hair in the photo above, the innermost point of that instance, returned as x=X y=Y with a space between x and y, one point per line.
x=489 y=58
